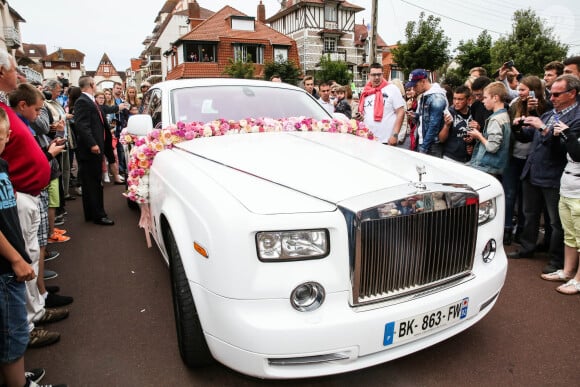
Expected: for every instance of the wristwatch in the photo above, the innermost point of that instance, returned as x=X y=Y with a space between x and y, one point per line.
x=544 y=127
x=396 y=135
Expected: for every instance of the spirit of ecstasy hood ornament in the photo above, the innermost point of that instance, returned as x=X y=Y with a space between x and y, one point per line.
x=421 y=170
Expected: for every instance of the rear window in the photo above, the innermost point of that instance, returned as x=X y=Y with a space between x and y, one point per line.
x=239 y=102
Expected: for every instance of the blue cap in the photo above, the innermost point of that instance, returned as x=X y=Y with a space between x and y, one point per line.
x=415 y=76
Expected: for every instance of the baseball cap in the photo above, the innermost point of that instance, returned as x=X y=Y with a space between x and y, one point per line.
x=415 y=76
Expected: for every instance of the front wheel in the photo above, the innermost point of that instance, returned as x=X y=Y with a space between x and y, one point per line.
x=192 y=344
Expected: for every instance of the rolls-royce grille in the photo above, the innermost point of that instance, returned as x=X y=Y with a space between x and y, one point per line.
x=405 y=254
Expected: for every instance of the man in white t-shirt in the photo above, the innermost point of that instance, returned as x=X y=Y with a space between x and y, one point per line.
x=381 y=106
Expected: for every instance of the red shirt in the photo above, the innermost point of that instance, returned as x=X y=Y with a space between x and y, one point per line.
x=28 y=167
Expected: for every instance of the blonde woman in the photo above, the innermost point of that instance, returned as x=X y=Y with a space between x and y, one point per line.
x=100 y=99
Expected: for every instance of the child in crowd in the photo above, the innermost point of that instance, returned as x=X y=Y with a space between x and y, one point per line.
x=457 y=143
x=491 y=152
x=15 y=269
x=134 y=109
x=342 y=105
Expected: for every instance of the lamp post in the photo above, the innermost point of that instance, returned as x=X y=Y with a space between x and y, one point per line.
x=373 y=45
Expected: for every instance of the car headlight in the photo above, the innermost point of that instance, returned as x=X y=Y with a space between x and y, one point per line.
x=291 y=245
x=487 y=211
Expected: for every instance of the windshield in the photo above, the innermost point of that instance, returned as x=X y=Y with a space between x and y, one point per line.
x=238 y=102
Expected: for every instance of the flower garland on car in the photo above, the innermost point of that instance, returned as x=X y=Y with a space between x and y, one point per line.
x=145 y=148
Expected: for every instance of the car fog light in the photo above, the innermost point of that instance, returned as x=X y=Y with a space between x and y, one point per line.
x=489 y=251
x=307 y=296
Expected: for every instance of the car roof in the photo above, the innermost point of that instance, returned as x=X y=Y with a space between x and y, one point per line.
x=201 y=82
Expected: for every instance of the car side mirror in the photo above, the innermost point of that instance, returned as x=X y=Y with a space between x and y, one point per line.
x=139 y=124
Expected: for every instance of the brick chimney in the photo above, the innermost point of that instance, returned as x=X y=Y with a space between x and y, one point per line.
x=194 y=10
x=194 y=14
x=261 y=12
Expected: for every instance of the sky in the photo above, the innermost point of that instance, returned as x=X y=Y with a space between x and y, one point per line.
x=118 y=27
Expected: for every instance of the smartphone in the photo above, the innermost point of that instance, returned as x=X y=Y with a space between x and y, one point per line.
x=509 y=64
x=532 y=94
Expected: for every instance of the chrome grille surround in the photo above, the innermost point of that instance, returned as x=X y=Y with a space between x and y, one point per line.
x=397 y=250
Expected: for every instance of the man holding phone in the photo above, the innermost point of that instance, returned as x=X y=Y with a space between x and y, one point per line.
x=510 y=76
x=543 y=170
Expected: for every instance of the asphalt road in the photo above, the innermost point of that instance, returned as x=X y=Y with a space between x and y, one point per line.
x=121 y=328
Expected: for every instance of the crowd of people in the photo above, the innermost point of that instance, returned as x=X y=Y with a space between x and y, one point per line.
x=523 y=130
x=57 y=142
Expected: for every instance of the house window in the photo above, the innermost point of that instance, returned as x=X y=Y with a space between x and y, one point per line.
x=47 y=64
x=280 y=54
x=329 y=44
x=73 y=65
x=243 y=23
x=106 y=69
x=247 y=52
x=200 y=52
x=330 y=13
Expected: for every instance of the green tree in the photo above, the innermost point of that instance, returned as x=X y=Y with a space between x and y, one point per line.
x=239 y=68
x=287 y=70
x=426 y=46
x=333 y=70
x=474 y=53
x=531 y=44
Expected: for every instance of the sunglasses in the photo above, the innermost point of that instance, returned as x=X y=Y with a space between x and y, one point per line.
x=556 y=94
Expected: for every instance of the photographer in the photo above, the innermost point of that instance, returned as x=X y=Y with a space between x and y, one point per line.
x=510 y=77
x=567 y=207
x=543 y=170
x=530 y=102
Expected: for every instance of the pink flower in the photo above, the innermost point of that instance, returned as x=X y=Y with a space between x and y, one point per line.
x=145 y=149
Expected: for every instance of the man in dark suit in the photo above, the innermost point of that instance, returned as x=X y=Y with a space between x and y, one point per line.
x=94 y=140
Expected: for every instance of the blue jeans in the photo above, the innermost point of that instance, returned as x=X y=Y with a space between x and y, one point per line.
x=13 y=323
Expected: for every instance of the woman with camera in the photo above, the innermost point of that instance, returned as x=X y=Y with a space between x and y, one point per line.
x=530 y=102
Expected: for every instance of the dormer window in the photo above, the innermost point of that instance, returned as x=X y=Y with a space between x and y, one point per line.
x=243 y=23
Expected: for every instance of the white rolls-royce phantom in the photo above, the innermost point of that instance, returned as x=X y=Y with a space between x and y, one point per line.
x=298 y=247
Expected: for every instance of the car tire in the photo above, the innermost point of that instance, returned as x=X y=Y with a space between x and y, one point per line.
x=191 y=340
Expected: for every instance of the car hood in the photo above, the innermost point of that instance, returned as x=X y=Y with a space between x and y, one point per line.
x=327 y=166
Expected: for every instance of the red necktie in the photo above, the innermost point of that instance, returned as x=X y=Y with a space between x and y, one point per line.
x=100 y=113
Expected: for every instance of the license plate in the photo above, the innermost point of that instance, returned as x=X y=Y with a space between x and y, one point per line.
x=399 y=331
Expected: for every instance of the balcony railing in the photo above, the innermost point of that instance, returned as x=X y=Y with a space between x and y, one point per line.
x=336 y=55
x=330 y=25
x=11 y=37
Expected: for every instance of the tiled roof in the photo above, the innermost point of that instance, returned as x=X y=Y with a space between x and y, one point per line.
x=34 y=50
x=204 y=13
x=219 y=26
x=68 y=55
x=168 y=7
x=205 y=70
x=136 y=64
x=361 y=33
x=105 y=59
